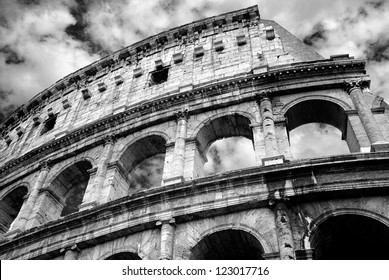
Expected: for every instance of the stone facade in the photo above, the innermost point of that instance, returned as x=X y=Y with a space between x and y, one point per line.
x=67 y=155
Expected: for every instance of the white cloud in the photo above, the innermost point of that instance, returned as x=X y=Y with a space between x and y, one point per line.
x=316 y=140
x=36 y=35
x=229 y=154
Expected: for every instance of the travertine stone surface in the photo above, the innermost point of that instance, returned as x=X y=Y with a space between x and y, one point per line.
x=228 y=76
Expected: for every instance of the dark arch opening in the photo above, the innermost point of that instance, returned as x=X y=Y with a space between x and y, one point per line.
x=351 y=237
x=143 y=162
x=10 y=206
x=228 y=245
x=70 y=185
x=219 y=139
x=313 y=129
x=124 y=256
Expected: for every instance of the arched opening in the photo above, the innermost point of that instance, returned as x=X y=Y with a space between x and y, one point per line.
x=225 y=144
x=319 y=128
x=124 y=256
x=143 y=162
x=69 y=186
x=228 y=245
x=10 y=206
x=353 y=237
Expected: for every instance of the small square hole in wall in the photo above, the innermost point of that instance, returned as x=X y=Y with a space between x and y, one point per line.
x=159 y=76
x=49 y=124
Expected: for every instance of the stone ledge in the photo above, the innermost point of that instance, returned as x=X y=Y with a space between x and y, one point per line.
x=150 y=199
x=280 y=159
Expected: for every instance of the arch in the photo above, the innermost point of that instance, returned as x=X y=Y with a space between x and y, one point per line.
x=230 y=243
x=23 y=184
x=10 y=205
x=221 y=127
x=316 y=110
x=138 y=138
x=322 y=110
x=130 y=250
x=124 y=256
x=66 y=164
x=143 y=161
x=245 y=114
x=142 y=148
x=216 y=128
x=267 y=246
x=350 y=234
x=292 y=103
x=344 y=211
x=66 y=190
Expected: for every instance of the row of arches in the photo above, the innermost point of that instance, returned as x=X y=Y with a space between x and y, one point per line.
x=143 y=160
x=342 y=237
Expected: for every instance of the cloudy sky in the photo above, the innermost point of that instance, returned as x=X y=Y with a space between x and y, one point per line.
x=42 y=41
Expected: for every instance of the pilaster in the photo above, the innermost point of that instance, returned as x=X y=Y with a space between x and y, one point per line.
x=27 y=210
x=167 y=238
x=283 y=230
x=93 y=191
x=178 y=164
x=71 y=253
x=354 y=88
x=273 y=155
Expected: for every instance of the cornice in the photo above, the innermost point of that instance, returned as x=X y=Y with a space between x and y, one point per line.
x=269 y=82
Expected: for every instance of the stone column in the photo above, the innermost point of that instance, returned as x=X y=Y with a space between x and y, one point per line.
x=71 y=253
x=93 y=192
x=273 y=155
x=354 y=88
x=284 y=232
x=167 y=238
x=25 y=212
x=177 y=171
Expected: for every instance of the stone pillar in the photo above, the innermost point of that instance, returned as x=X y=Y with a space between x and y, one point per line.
x=71 y=253
x=273 y=155
x=116 y=184
x=48 y=207
x=283 y=138
x=354 y=88
x=168 y=164
x=177 y=171
x=26 y=211
x=259 y=143
x=167 y=238
x=93 y=192
x=284 y=231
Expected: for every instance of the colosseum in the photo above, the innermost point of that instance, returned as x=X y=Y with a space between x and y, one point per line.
x=68 y=186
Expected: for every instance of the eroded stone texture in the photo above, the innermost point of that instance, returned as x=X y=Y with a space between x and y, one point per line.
x=171 y=96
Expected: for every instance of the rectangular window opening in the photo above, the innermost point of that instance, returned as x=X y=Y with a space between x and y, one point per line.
x=159 y=76
x=49 y=124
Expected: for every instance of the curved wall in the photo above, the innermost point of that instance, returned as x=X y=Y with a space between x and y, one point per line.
x=75 y=146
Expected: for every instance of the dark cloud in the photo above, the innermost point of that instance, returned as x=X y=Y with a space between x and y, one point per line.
x=79 y=30
x=378 y=5
x=319 y=33
x=6 y=111
x=11 y=56
x=378 y=50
